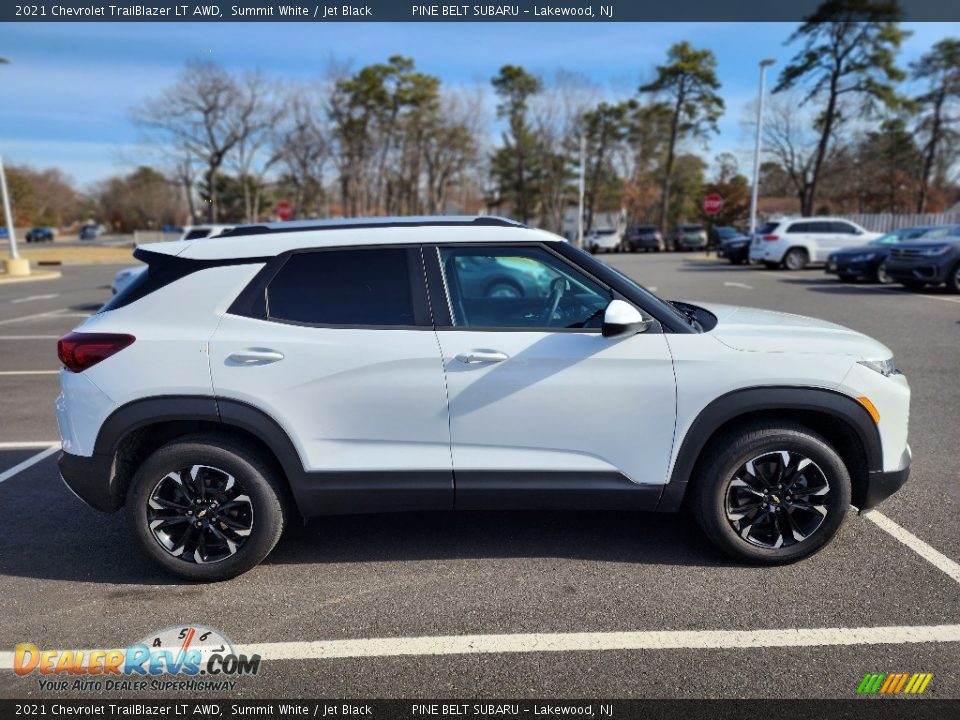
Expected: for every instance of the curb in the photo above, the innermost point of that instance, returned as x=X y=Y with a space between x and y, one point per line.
x=36 y=276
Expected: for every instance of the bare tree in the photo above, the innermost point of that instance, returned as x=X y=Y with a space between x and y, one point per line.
x=196 y=115
x=301 y=142
x=254 y=118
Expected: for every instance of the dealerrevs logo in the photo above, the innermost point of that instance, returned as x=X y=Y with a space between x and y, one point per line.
x=179 y=658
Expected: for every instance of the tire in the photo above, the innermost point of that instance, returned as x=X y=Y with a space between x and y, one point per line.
x=796 y=259
x=260 y=517
x=770 y=265
x=881 y=275
x=913 y=284
x=953 y=279
x=718 y=503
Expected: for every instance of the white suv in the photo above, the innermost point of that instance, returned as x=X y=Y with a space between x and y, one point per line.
x=367 y=366
x=794 y=244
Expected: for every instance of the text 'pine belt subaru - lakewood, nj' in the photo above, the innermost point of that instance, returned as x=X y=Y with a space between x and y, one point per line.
x=448 y=363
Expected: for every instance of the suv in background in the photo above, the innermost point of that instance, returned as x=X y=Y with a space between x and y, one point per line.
x=933 y=259
x=794 y=244
x=602 y=240
x=345 y=367
x=642 y=237
x=688 y=237
x=870 y=261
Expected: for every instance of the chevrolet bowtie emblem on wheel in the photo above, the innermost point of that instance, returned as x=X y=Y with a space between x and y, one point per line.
x=894 y=683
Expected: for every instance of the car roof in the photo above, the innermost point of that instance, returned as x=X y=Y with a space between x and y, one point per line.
x=267 y=240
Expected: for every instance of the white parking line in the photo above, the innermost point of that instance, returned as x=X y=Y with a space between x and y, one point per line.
x=29 y=444
x=934 y=557
x=29 y=337
x=591 y=642
x=33 y=460
x=32 y=298
x=739 y=285
x=29 y=372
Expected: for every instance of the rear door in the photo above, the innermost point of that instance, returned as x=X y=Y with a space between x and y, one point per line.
x=545 y=411
x=337 y=346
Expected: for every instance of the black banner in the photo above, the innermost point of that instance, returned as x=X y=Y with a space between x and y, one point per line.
x=223 y=709
x=427 y=11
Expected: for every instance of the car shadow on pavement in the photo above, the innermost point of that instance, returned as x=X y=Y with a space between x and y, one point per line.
x=633 y=537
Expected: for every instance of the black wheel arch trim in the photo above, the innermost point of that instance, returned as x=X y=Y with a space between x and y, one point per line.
x=747 y=401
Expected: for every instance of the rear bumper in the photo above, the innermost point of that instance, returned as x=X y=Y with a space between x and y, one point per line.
x=89 y=479
x=882 y=484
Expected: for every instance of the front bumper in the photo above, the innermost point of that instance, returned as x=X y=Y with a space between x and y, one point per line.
x=851 y=268
x=89 y=478
x=882 y=484
x=923 y=270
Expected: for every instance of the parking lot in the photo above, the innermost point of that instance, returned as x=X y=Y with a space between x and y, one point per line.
x=543 y=593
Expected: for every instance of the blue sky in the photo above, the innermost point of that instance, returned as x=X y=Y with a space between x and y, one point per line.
x=67 y=95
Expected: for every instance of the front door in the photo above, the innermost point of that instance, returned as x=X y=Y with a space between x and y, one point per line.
x=545 y=411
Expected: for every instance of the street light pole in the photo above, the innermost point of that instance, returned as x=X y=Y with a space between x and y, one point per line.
x=583 y=163
x=11 y=233
x=764 y=64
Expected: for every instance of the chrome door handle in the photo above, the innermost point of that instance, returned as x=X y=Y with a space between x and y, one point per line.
x=473 y=357
x=254 y=356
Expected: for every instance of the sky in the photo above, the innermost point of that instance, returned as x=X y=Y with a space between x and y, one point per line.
x=67 y=94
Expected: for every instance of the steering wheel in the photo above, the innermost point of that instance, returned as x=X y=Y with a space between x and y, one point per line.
x=558 y=287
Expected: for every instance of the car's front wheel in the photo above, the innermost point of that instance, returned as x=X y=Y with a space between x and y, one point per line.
x=771 y=493
x=206 y=508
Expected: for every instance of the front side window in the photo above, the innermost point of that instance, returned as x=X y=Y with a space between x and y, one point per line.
x=366 y=286
x=519 y=288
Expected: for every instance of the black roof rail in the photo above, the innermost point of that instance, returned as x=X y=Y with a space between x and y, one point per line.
x=363 y=223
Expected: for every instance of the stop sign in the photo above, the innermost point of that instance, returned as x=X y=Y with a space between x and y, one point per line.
x=712 y=204
x=284 y=210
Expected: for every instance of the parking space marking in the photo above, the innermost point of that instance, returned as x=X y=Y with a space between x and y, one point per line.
x=739 y=285
x=934 y=557
x=32 y=298
x=29 y=444
x=29 y=462
x=29 y=337
x=591 y=642
x=29 y=372
x=49 y=315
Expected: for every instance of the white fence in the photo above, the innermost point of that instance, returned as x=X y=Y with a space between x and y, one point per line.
x=883 y=222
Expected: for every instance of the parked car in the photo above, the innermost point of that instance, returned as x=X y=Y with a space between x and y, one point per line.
x=717 y=234
x=688 y=237
x=602 y=240
x=794 y=244
x=642 y=237
x=39 y=234
x=127 y=275
x=345 y=370
x=736 y=249
x=90 y=231
x=497 y=276
x=870 y=261
x=932 y=259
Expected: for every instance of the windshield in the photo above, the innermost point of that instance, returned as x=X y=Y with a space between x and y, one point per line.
x=888 y=239
x=942 y=232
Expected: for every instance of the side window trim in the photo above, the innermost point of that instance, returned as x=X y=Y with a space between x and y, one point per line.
x=252 y=302
x=443 y=314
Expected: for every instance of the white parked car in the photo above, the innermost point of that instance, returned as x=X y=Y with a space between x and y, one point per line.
x=195 y=232
x=603 y=240
x=795 y=243
x=318 y=368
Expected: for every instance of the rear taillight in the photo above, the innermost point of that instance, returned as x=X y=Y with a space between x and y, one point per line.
x=79 y=351
x=771 y=237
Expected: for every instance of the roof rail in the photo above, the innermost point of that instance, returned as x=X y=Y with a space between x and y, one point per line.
x=359 y=223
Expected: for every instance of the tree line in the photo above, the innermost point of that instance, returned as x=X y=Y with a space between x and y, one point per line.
x=842 y=134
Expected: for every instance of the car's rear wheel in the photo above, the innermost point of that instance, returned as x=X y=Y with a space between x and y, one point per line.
x=771 y=493
x=206 y=508
x=796 y=259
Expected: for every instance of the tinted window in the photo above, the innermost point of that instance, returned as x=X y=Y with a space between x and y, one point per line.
x=197 y=234
x=767 y=228
x=801 y=227
x=842 y=227
x=343 y=287
x=515 y=287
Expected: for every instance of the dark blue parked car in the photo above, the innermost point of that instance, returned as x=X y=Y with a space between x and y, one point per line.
x=869 y=262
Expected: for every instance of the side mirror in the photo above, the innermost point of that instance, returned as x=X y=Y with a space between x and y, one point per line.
x=621 y=318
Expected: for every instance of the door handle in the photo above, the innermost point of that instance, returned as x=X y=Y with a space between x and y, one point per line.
x=254 y=356
x=472 y=357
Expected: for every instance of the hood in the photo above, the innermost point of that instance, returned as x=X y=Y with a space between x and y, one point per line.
x=861 y=249
x=753 y=330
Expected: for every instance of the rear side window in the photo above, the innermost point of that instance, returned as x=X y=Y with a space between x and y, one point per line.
x=842 y=227
x=343 y=287
x=197 y=234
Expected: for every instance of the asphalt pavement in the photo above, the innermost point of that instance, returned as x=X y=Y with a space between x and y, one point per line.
x=610 y=605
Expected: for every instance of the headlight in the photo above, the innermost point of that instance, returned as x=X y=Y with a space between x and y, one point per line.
x=863 y=257
x=884 y=367
x=934 y=251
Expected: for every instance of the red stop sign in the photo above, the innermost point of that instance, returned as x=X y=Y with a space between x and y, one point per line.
x=284 y=210
x=712 y=204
